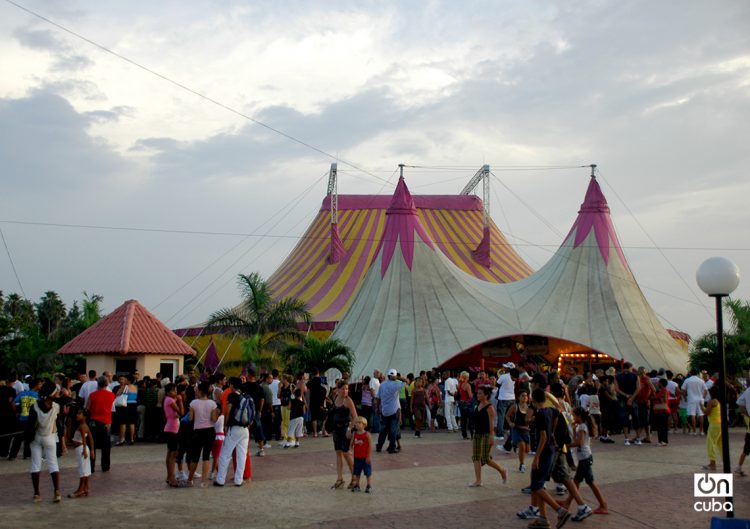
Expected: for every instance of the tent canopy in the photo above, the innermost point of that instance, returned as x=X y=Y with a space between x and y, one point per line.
x=416 y=308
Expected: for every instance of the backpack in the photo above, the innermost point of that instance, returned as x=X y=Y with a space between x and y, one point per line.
x=562 y=431
x=244 y=415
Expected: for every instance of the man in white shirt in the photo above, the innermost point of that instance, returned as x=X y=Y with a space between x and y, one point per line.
x=506 y=394
x=696 y=391
x=87 y=388
x=451 y=392
x=276 y=403
x=374 y=387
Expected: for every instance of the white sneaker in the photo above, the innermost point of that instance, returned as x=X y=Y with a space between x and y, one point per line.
x=296 y=445
x=627 y=442
x=261 y=453
x=522 y=468
x=584 y=511
x=637 y=442
x=560 y=490
x=529 y=513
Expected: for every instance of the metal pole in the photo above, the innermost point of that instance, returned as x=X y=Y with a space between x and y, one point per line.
x=723 y=395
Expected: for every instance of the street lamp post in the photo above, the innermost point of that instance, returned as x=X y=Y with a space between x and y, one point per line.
x=718 y=277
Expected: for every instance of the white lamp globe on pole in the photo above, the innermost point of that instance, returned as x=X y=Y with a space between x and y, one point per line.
x=718 y=277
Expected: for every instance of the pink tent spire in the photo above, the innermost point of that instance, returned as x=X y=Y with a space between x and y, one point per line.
x=337 y=251
x=594 y=214
x=212 y=358
x=483 y=253
x=402 y=222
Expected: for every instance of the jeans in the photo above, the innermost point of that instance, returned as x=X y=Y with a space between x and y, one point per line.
x=388 y=427
x=502 y=409
x=467 y=418
x=100 y=433
x=375 y=423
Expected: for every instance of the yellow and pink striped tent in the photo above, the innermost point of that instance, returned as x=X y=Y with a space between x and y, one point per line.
x=453 y=222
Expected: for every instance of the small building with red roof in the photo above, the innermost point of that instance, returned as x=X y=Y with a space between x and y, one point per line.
x=130 y=339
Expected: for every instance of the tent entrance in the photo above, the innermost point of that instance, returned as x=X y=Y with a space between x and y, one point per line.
x=533 y=351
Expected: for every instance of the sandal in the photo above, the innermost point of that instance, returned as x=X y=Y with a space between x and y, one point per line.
x=601 y=510
x=58 y=497
x=539 y=523
x=339 y=483
x=78 y=494
x=351 y=484
x=37 y=498
x=474 y=485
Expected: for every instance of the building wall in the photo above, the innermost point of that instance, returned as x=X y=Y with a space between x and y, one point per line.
x=147 y=365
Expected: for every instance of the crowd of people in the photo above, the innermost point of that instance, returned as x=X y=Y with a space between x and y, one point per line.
x=547 y=420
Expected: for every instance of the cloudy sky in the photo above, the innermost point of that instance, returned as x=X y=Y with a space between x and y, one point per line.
x=656 y=93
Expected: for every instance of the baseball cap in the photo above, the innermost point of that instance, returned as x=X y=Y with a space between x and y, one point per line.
x=509 y=365
x=392 y=373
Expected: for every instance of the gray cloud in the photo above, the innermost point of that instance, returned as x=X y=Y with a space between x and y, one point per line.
x=44 y=144
x=39 y=39
x=340 y=126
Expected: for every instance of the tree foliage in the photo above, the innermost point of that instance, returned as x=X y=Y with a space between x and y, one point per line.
x=266 y=325
x=31 y=333
x=323 y=354
x=703 y=354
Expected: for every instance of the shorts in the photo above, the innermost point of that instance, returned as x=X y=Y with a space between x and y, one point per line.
x=202 y=440
x=519 y=436
x=173 y=441
x=481 y=448
x=361 y=465
x=84 y=464
x=216 y=448
x=560 y=470
x=682 y=414
x=540 y=475
x=584 y=471
x=694 y=408
x=340 y=442
x=746 y=449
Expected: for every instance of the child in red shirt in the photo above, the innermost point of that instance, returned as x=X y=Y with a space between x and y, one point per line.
x=362 y=448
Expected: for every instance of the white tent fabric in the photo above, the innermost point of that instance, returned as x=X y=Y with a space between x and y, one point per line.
x=415 y=309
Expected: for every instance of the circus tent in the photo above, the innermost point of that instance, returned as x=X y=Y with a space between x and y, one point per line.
x=453 y=222
x=417 y=309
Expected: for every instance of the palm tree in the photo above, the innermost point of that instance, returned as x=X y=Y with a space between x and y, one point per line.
x=92 y=310
x=736 y=342
x=267 y=325
x=323 y=354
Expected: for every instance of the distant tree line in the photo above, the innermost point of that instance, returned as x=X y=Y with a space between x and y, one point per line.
x=31 y=333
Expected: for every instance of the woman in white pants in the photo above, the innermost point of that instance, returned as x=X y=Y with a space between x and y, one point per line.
x=43 y=415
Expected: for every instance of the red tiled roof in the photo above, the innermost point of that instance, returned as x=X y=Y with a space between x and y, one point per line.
x=129 y=329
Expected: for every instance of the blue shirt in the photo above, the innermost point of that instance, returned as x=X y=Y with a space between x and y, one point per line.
x=26 y=400
x=388 y=395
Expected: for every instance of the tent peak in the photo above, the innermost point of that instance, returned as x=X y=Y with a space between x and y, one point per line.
x=402 y=226
x=594 y=215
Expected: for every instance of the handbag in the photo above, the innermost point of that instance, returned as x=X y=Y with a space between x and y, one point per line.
x=121 y=400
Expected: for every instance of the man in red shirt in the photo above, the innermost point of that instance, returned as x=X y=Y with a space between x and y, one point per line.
x=99 y=405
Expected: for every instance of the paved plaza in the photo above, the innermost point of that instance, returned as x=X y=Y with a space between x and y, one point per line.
x=424 y=486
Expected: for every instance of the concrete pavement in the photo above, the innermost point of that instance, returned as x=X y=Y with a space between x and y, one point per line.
x=423 y=486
